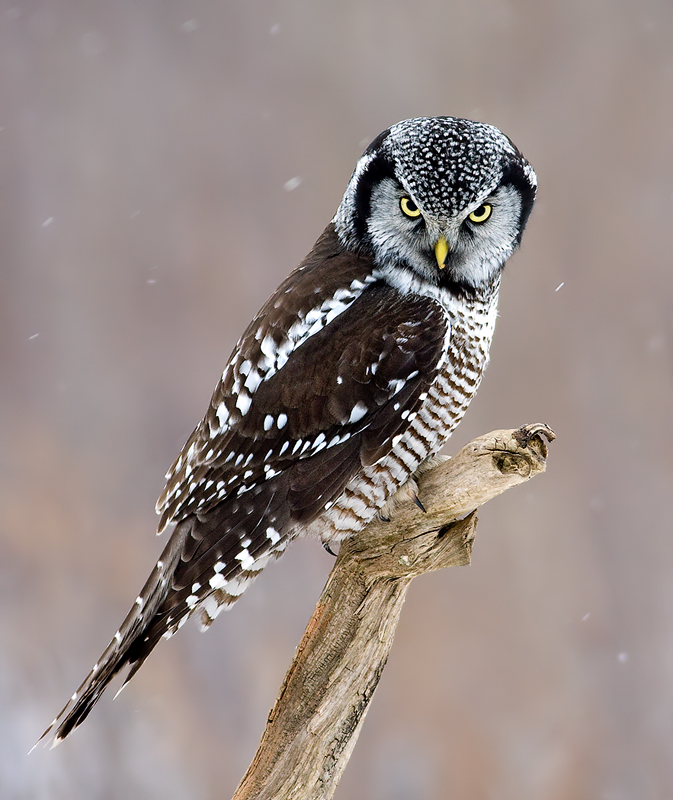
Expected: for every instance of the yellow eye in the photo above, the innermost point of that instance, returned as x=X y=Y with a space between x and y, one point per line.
x=481 y=214
x=409 y=207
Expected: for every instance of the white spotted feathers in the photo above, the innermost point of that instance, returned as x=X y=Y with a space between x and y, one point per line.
x=259 y=355
x=351 y=376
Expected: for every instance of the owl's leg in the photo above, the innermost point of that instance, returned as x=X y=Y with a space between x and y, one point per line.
x=409 y=490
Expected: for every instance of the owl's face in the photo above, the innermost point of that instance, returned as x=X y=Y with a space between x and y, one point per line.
x=439 y=199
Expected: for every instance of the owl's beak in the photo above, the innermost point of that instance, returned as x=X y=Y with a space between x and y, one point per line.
x=441 y=252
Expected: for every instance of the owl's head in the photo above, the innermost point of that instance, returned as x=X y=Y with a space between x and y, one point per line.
x=439 y=199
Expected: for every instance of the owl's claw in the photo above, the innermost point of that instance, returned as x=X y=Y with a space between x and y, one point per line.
x=417 y=500
x=527 y=432
x=329 y=549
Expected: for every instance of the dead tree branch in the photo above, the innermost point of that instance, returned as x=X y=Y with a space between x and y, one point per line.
x=315 y=722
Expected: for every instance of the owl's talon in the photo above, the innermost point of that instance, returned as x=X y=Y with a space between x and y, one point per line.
x=417 y=500
x=329 y=549
x=527 y=432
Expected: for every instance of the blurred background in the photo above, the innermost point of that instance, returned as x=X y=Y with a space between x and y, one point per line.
x=163 y=165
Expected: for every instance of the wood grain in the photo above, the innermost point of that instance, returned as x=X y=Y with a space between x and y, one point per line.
x=314 y=724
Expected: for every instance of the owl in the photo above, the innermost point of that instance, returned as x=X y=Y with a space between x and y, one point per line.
x=353 y=374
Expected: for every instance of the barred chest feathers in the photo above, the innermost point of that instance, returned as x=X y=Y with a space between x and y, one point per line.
x=464 y=356
x=342 y=386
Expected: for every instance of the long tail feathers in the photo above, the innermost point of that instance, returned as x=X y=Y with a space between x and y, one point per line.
x=120 y=652
x=207 y=564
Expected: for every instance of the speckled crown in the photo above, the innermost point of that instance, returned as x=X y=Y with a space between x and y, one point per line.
x=446 y=162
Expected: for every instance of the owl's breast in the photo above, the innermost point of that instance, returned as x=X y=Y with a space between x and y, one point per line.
x=459 y=371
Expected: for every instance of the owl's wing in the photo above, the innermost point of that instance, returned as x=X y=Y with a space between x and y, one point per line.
x=333 y=406
x=270 y=454
x=336 y=405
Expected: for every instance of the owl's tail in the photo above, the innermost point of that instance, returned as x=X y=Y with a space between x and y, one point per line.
x=120 y=652
x=209 y=561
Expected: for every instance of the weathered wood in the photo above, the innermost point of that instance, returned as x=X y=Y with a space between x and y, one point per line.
x=315 y=722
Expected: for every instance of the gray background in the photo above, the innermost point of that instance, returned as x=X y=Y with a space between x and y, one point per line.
x=144 y=151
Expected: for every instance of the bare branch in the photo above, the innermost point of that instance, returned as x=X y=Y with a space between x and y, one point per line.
x=315 y=722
